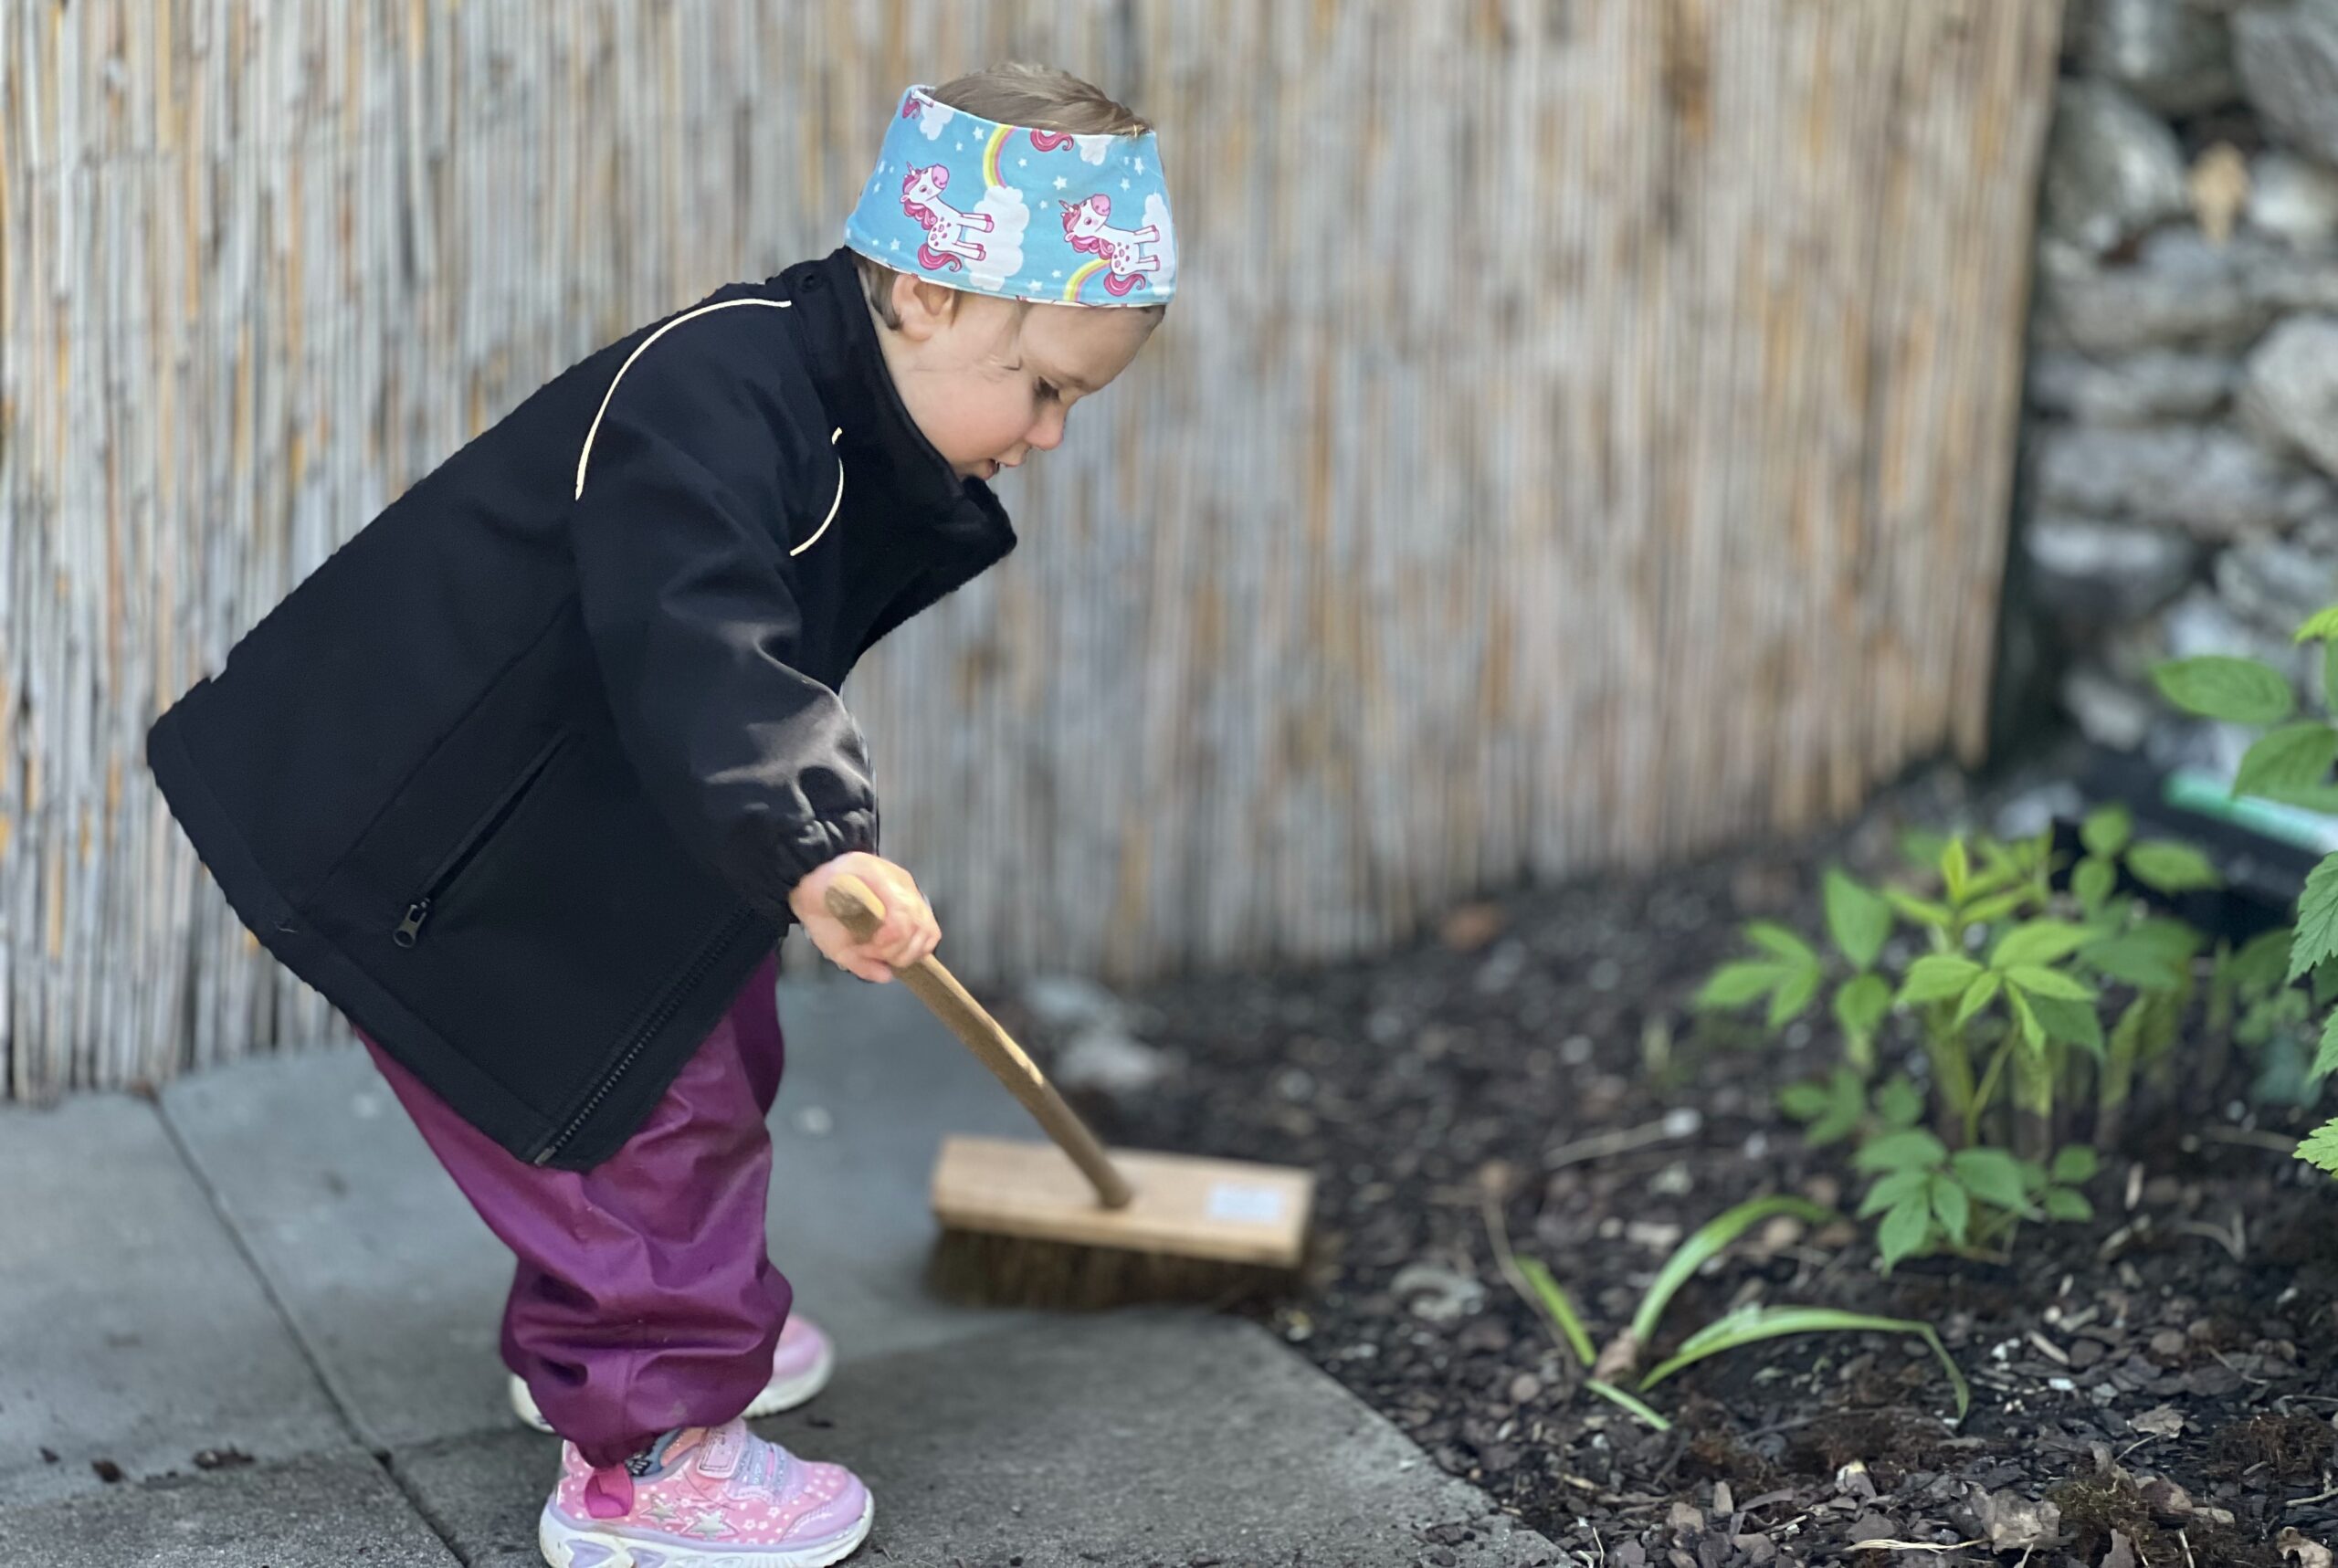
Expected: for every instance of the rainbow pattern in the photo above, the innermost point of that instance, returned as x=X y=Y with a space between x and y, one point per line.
x=991 y=180
x=1088 y=270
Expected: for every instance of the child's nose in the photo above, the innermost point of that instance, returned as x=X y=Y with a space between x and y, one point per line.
x=1047 y=434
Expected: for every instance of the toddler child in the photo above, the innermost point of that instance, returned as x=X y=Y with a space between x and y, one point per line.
x=530 y=777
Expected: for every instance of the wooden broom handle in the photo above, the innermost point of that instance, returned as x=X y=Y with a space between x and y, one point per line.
x=851 y=900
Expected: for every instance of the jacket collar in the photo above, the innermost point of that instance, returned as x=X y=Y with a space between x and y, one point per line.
x=848 y=368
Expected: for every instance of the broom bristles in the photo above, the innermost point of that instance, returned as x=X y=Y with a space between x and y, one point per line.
x=978 y=1268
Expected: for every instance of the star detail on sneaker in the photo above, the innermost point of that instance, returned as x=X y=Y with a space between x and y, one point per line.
x=710 y=1524
x=662 y=1511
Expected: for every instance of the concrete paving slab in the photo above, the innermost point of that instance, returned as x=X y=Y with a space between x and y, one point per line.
x=395 y=1282
x=1121 y=1439
x=131 y=1328
x=315 y=1513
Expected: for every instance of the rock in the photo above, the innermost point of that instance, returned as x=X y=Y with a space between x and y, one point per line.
x=1437 y=1294
x=2168 y=53
x=2113 y=169
x=1686 y=1516
x=2134 y=389
x=2013 y=1523
x=1525 y=1388
x=2274 y=585
x=2291 y=387
x=2162 y=1421
x=2213 y=481
x=1071 y=1001
x=2286 y=55
x=2090 y=571
x=2026 y=816
x=2107 y=711
x=2181 y=292
x=1108 y=1062
x=2292 y=200
x=2300 y=1551
x=1759 y=1551
x=2122 y=1554
x=2201 y=623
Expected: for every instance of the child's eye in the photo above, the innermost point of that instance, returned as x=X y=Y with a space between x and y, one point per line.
x=1047 y=392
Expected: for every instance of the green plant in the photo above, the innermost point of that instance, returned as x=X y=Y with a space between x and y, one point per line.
x=1966 y=1201
x=1607 y=1370
x=1790 y=971
x=2289 y=764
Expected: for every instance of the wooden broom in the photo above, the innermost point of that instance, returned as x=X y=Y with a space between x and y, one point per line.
x=1067 y=1224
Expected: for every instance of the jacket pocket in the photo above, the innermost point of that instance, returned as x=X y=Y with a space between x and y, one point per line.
x=467 y=848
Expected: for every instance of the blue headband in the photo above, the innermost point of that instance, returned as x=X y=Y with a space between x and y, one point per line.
x=1024 y=215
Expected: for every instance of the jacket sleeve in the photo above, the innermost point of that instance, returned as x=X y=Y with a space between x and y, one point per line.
x=757 y=766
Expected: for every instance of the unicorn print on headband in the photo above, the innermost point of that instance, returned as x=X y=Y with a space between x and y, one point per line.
x=1087 y=224
x=945 y=225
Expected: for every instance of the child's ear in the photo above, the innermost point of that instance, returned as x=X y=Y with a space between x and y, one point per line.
x=924 y=308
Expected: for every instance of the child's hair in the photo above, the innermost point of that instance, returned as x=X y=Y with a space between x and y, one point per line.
x=1016 y=93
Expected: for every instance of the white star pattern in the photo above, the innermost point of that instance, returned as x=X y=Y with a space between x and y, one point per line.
x=1058 y=272
x=1019 y=163
x=961 y=146
x=1139 y=163
x=1061 y=181
x=1124 y=185
x=897 y=245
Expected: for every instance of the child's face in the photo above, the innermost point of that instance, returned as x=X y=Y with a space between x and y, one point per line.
x=987 y=380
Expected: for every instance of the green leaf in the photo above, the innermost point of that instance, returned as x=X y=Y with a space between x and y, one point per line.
x=1923 y=912
x=1773 y=937
x=1706 y=1244
x=1992 y=1175
x=2261 y=960
x=2317 y=936
x=1950 y=1208
x=2167 y=866
x=2025 y=1015
x=1900 y=1104
x=2322 y=623
x=1978 y=995
x=2063 y=1203
x=2133 y=962
x=2105 y=830
x=2094 y=881
x=1794 y=995
x=1804 y=1101
x=1921 y=847
x=1860 y=1004
x=2319 y=1148
x=1904 y=1229
x=2072 y=1023
x=1559 y=1306
x=2216 y=686
x=1631 y=1402
x=2295 y=756
x=1858 y=920
x=2038 y=941
x=1937 y=976
x=1894 y=1188
x=1989 y=911
x=1900 y=1151
x=1956 y=870
x=1846 y=1103
x=2039 y=980
x=2075 y=1164
x=2325 y=1060
x=1736 y=984
x=1749 y=1324
x=2325 y=982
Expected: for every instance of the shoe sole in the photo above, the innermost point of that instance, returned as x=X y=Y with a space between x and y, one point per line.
x=567 y=1544
x=775 y=1397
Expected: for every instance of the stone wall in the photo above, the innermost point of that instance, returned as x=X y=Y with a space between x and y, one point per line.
x=2181 y=476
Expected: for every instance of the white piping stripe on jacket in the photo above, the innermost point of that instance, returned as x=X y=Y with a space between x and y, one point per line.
x=585 y=455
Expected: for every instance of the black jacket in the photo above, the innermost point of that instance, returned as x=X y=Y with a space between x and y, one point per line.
x=521 y=777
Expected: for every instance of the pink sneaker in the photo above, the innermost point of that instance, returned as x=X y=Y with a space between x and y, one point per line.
x=800 y=1368
x=708 y=1497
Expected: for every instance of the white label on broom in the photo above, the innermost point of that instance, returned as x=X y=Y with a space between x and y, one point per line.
x=1261 y=1206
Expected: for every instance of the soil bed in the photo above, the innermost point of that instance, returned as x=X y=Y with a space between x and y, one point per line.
x=2161 y=1377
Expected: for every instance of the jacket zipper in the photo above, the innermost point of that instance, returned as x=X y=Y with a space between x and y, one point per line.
x=667 y=1003
x=409 y=930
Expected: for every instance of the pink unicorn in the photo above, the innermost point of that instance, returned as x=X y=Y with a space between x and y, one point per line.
x=1087 y=224
x=944 y=225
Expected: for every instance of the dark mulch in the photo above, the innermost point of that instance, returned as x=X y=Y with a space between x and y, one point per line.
x=2153 y=1388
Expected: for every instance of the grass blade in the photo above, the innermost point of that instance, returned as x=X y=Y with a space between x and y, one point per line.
x=1751 y=1324
x=1557 y=1306
x=1710 y=1239
x=1629 y=1402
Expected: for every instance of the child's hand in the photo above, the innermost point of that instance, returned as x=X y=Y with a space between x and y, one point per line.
x=906 y=935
